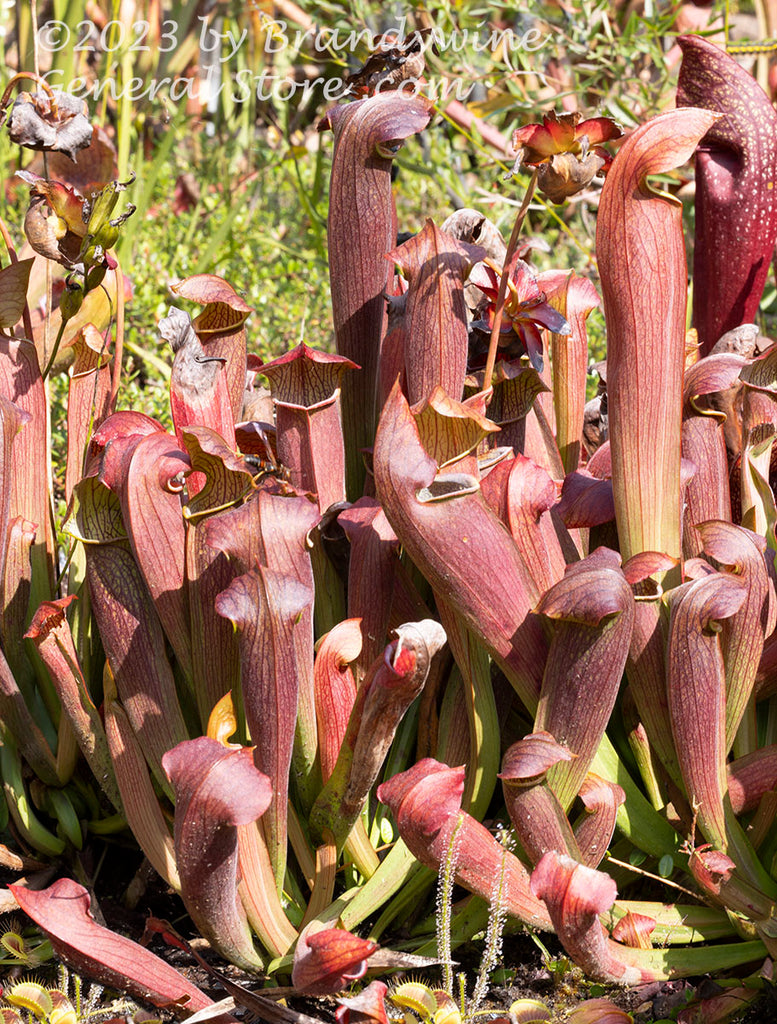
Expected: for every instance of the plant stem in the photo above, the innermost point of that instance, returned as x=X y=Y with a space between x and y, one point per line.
x=118 y=351
x=512 y=245
x=54 y=351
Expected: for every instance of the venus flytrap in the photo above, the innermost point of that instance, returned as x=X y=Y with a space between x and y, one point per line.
x=20 y=946
x=67 y=1003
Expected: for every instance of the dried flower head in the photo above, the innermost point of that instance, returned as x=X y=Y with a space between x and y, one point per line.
x=50 y=122
x=566 y=151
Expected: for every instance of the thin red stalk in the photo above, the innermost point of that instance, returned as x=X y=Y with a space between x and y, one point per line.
x=463 y=118
x=512 y=245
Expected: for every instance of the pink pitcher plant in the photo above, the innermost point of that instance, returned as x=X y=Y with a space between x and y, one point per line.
x=415 y=567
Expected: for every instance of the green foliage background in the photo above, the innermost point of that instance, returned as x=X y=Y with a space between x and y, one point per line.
x=260 y=168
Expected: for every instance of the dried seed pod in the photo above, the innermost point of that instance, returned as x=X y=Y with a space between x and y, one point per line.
x=43 y=228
